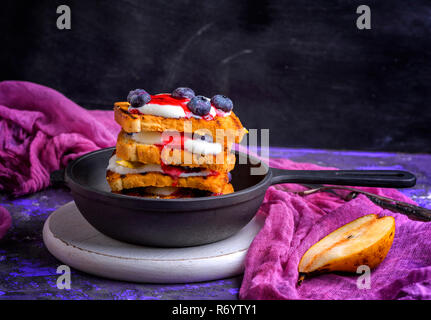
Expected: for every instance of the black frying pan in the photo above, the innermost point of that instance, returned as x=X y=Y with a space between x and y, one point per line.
x=194 y=221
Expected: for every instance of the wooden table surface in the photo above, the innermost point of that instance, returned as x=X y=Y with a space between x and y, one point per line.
x=28 y=270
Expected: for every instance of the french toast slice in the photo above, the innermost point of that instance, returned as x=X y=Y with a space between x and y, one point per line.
x=213 y=183
x=130 y=150
x=131 y=122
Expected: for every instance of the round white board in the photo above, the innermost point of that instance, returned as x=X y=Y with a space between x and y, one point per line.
x=71 y=239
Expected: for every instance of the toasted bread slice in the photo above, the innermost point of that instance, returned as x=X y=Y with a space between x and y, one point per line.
x=231 y=125
x=128 y=149
x=183 y=193
x=215 y=184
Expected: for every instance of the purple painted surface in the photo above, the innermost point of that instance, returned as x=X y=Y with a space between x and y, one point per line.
x=28 y=270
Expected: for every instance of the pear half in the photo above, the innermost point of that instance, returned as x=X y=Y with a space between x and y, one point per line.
x=364 y=241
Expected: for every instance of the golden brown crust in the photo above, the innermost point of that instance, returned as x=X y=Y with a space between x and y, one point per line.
x=119 y=182
x=136 y=123
x=226 y=190
x=128 y=149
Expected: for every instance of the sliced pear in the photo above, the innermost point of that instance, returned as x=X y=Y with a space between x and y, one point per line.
x=364 y=241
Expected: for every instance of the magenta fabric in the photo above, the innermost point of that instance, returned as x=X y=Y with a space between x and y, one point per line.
x=294 y=223
x=41 y=131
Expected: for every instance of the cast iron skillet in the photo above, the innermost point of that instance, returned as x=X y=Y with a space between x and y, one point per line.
x=196 y=221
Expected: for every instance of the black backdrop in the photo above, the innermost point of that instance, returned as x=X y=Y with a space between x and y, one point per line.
x=300 y=68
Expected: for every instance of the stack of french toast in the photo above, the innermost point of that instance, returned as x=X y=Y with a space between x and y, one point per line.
x=175 y=145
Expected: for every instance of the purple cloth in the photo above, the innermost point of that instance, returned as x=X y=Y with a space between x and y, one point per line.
x=294 y=223
x=41 y=131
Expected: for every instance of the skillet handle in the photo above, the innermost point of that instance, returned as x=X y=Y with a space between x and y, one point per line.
x=367 y=178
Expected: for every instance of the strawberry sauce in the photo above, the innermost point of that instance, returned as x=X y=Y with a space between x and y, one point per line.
x=167 y=99
x=176 y=171
x=173 y=141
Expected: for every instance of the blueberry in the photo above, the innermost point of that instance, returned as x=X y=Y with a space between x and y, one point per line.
x=183 y=92
x=137 y=98
x=207 y=138
x=222 y=102
x=199 y=105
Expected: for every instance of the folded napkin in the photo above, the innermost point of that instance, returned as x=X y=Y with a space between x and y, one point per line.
x=294 y=223
x=41 y=131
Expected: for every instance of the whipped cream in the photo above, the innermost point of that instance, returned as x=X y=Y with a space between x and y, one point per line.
x=196 y=146
x=165 y=111
x=202 y=147
x=144 y=168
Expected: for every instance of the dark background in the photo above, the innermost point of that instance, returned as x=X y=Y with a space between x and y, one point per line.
x=300 y=68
